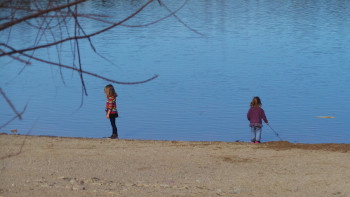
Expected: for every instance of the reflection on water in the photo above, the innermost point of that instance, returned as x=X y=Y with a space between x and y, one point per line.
x=293 y=54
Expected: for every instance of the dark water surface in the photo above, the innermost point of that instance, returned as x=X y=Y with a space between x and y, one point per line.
x=293 y=54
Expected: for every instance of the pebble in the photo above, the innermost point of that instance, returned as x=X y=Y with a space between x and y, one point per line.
x=95 y=179
x=164 y=185
x=239 y=190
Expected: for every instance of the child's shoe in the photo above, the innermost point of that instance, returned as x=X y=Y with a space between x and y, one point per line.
x=252 y=142
x=257 y=142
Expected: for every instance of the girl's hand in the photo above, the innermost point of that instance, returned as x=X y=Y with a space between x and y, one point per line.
x=107 y=116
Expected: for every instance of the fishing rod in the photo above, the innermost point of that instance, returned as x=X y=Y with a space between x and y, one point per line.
x=275 y=132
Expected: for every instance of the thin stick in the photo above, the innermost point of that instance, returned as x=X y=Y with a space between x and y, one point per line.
x=275 y=133
x=19 y=115
x=79 y=37
x=41 y=12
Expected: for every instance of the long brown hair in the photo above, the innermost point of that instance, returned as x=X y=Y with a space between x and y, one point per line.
x=109 y=91
x=256 y=102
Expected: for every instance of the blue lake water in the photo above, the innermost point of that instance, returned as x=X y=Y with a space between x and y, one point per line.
x=294 y=55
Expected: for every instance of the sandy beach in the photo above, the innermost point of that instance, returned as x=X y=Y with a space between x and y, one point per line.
x=57 y=166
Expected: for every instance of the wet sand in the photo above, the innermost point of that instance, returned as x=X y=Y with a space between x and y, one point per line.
x=56 y=166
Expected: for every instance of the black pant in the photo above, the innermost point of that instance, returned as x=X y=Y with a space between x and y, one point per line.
x=114 y=126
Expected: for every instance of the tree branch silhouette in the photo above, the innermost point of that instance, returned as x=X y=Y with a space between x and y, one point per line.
x=57 y=15
x=78 y=37
x=35 y=15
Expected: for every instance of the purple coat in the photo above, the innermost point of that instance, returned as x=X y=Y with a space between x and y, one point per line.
x=255 y=115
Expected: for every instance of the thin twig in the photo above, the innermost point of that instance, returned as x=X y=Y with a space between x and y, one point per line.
x=86 y=72
x=11 y=105
x=78 y=37
x=188 y=27
x=141 y=25
x=15 y=117
x=11 y=23
x=17 y=58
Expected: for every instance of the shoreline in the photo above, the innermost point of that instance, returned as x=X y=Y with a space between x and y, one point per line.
x=66 y=166
x=282 y=145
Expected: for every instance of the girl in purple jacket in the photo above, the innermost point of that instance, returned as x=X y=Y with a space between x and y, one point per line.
x=255 y=115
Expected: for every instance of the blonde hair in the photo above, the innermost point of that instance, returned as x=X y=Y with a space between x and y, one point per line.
x=109 y=91
x=256 y=102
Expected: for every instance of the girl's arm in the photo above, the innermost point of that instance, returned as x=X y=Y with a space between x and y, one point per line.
x=110 y=105
x=108 y=112
x=264 y=117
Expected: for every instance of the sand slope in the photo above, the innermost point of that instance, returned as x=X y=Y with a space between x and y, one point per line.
x=54 y=166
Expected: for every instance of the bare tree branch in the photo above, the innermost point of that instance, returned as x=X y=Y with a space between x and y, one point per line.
x=188 y=27
x=78 y=37
x=14 y=118
x=86 y=72
x=141 y=25
x=17 y=58
x=45 y=17
x=19 y=115
x=14 y=22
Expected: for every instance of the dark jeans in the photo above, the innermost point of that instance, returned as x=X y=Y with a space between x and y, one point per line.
x=114 y=126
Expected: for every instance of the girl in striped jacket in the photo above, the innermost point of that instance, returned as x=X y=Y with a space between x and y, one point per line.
x=111 y=109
